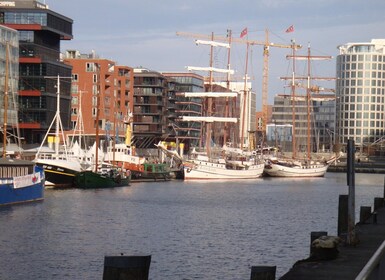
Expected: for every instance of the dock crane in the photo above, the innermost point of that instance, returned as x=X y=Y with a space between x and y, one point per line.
x=266 y=47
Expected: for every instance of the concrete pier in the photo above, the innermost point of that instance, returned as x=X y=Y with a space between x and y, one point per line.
x=351 y=258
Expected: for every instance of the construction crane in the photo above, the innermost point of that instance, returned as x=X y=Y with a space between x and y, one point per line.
x=265 y=74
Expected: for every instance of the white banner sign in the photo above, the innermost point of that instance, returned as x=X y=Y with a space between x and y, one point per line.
x=25 y=181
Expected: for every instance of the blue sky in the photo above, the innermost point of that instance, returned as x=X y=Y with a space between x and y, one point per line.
x=143 y=32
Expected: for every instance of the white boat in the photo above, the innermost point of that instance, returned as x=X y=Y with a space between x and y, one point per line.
x=206 y=166
x=202 y=168
x=288 y=168
x=299 y=167
x=60 y=168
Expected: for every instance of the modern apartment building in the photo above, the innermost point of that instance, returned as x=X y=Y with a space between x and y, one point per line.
x=40 y=32
x=150 y=108
x=96 y=78
x=360 y=92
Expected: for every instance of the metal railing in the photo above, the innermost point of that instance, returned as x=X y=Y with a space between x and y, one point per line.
x=375 y=268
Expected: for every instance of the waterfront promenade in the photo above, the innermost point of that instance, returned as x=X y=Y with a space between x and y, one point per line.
x=351 y=259
x=362 y=164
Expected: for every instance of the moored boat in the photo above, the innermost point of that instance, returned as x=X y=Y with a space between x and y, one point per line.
x=20 y=181
x=276 y=168
x=207 y=165
x=60 y=167
x=202 y=168
x=94 y=180
x=307 y=166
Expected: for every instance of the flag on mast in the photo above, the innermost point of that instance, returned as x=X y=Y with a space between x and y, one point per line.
x=243 y=33
x=290 y=29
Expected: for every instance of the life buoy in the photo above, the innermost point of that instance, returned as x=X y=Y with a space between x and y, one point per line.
x=188 y=170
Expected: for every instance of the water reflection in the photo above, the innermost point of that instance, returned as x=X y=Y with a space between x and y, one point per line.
x=201 y=230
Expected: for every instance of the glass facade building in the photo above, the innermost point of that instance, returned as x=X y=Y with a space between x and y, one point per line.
x=188 y=133
x=360 y=92
x=9 y=65
x=40 y=32
x=322 y=122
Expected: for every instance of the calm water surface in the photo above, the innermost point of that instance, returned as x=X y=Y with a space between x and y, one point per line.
x=205 y=230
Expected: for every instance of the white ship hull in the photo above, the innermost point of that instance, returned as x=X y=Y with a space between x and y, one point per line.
x=280 y=170
x=203 y=170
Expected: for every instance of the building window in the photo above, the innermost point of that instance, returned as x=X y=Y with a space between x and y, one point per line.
x=74 y=88
x=90 y=67
x=74 y=111
x=74 y=100
x=75 y=77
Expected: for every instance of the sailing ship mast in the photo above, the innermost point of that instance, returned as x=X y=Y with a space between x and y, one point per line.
x=210 y=101
x=97 y=120
x=245 y=91
x=209 y=118
x=308 y=99
x=5 y=101
x=294 y=148
x=226 y=127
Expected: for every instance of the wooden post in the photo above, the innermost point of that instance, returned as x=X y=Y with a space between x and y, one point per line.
x=384 y=189
x=315 y=235
x=342 y=229
x=378 y=203
x=351 y=238
x=365 y=212
x=126 y=267
x=263 y=272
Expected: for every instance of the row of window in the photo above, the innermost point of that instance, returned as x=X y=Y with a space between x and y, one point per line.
x=40 y=18
x=358 y=138
x=361 y=57
x=360 y=91
x=361 y=66
x=361 y=74
x=365 y=98
x=358 y=116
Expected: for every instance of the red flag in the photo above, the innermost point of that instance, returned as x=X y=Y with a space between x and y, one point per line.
x=290 y=29
x=243 y=33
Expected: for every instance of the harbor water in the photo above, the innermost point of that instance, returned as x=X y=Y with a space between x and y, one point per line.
x=192 y=230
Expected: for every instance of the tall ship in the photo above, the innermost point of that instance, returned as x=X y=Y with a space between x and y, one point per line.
x=297 y=166
x=214 y=163
x=20 y=180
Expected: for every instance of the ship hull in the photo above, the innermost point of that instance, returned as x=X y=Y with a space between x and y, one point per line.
x=279 y=170
x=92 y=180
x=219 y=171
x=59 y=173
x=22 y=189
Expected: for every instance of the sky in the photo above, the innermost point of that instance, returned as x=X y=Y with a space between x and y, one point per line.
x=142 y=33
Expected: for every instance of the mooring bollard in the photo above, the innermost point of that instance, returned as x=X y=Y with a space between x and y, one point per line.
x=374 y=217
x=365 y=212
x=263 y=272
x=315 y=235
x=126 y=267
x=342 y=229
x=378 y=203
